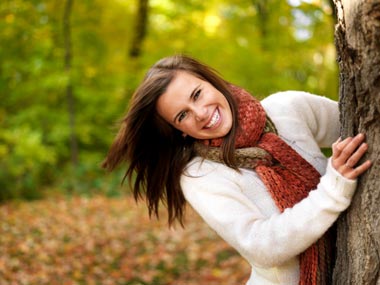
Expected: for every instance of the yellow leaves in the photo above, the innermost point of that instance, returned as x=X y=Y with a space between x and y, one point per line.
x=90 y=71
x=9 y=19
x=77 y=274
x=109 y=241
x=211 y=23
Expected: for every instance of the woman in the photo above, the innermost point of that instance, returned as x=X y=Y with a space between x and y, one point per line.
x=253 y=170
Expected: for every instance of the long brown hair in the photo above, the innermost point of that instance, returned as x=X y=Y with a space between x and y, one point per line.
x=154 y=150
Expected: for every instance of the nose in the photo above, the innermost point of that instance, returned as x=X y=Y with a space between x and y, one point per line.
x=200 y=113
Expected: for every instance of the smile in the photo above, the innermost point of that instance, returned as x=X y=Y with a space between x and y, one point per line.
x=215 y=119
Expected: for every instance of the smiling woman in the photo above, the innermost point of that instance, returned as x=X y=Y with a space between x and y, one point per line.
x=195 y=107
x=252 y=170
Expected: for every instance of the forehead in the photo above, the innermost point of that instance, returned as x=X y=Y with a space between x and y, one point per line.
x=182 y=80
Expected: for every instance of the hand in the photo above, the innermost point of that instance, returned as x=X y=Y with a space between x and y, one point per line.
x=346 y=155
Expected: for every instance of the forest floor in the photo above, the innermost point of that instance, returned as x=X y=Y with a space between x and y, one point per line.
x=109 y=241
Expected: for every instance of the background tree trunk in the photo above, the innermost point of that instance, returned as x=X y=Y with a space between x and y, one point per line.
x=358 y=45
x=69 y=87
x=140 y=28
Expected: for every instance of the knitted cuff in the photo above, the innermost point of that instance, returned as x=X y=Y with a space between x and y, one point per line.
x=337 y=184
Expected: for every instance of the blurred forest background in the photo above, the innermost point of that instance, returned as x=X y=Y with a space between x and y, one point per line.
x=68 y=69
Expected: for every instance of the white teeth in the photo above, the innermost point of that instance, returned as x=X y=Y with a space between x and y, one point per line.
x=214 y=119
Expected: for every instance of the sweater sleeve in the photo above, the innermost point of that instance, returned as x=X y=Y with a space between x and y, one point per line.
x=319 y=115
x=265 y=241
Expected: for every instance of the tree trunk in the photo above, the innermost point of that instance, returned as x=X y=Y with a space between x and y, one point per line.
x=263 y=16
x=140 y=29
x=69 y=87
x=357 y=38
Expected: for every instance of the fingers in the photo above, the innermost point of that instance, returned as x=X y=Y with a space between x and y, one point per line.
x=342 y=150
x=353 y=173
x=339 y=145
x=346 y=155
x=355 y=157
x=348 y=146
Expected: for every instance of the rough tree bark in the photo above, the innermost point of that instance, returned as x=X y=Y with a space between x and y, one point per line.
x=69 y=87
x=357 y=38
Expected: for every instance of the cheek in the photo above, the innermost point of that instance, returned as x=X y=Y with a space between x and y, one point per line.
x=187 y=127
x=190 y=128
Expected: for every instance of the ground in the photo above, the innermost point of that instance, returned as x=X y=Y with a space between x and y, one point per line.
x=111 y=241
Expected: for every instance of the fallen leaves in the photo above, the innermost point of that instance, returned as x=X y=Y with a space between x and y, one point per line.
x=103 y=241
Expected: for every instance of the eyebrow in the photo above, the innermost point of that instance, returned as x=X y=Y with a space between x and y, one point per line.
x=191 y=97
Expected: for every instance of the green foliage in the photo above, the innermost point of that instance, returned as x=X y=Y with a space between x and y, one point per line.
x=24 y=161
x=264 y=46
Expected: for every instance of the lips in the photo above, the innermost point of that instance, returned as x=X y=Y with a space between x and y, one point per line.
x=214 y=119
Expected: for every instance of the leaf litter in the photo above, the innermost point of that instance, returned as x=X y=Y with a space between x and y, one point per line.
x=110 y=241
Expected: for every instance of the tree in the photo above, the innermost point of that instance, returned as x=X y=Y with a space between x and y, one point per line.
x=358 y=46
x=140 y=28
x=69 y=87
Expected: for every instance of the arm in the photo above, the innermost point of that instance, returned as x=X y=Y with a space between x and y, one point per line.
x=319 y=115
x=269 y=240
x=318 y=118
x=266 y=240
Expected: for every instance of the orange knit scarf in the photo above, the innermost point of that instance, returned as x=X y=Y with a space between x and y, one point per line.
x=287 y=176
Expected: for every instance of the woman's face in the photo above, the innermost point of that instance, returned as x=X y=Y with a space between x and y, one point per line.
x=195 y=107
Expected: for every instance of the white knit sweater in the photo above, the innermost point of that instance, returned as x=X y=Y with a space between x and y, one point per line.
x=239 y=207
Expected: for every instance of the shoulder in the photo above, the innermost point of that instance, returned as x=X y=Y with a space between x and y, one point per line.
x=305 y=121
x=300 y=108
x=294 y=100
x=199 y=171
x=203 y=176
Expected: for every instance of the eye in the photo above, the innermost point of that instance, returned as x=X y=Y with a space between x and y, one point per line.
x=197 y=94
x=182 y=116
